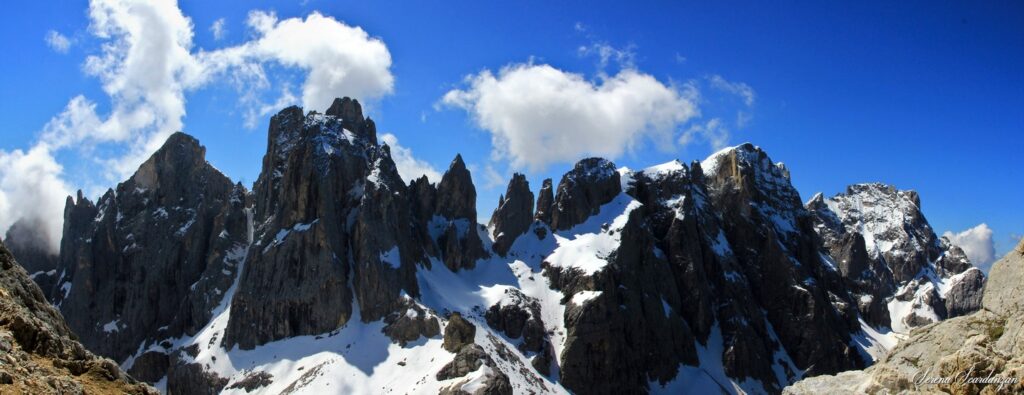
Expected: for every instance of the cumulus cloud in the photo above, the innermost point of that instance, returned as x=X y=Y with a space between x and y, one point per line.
x=147 y=65
x=539 y=115
x=58 y=42
x=28 y=180
x=339 y=59
x=740 y=89
x=408 y=166
x=977 y=243
x=219 y=29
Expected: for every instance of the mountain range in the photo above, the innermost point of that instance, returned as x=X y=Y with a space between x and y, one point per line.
x=335 y=275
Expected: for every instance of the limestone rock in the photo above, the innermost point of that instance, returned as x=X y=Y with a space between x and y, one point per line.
x=591 y=183
x=458 y=332
x=513 y=215
x=38 y=353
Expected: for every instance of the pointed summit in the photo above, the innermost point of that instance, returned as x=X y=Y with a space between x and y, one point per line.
x=513 y=215
x=456 y=195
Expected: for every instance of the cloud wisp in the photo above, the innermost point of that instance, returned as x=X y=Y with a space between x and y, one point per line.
x=409 y=168
x=58 y=42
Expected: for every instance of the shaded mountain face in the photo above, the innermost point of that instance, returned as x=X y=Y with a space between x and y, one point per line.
x=336 y=275
x=901 y=274
x=38 y=351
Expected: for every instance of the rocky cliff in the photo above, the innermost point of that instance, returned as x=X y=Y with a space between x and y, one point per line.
x=335 y=275
x=901 y=274
x=39 y=353
x=979 y=353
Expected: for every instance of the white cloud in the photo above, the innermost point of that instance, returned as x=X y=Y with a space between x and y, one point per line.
x=58 y=42
x=977 y=243
x=408 y=166
x=147 y=65
x=219 y=29
x=340 y=60
x=539 y=115
x=28 y=182
x=740 y=89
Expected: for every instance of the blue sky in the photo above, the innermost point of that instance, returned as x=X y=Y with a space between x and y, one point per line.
x=922 y=95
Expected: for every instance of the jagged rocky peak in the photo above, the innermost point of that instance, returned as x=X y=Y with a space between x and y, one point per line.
x=454 y=224
x=34 y=252
x=545 y=202
x=901 y=274
x=39 y=351
x=152 y=258
x=313 y=196
x=513 y=215
x=581 y=192
x=351 y=115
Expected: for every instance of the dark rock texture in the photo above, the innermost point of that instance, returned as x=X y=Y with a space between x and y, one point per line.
x=458 y=333
x=883 y=246
x=454 y=224
x=331 y=211
x=409 y=324
x=545 y=202
x=38 y=353
x=591 y=183
x=151 y=259
x=513 y=215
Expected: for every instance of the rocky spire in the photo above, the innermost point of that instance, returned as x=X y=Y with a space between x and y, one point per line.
x=459 y=241
x=590 y=184
x=149 y=260
x=351 y=115
x=513 y=215
x=545 y=201
x=456 y=195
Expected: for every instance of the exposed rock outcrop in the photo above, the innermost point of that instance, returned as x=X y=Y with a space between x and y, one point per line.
x=513 y=215
x=591 y=183
x=38 y=353
x=152 y=258
x=890 y=258
x=545 y=202
x=980 y=353
x=454 y=224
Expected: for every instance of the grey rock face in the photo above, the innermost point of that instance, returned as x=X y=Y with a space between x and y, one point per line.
x=331 y=210
x=455 y=217
x=33 y=254
x=780 y=255
x=144 y=263
x=884 y=246
x=470 y=358
x=545 y=202
x=513 y=215
x=410 y=324
x=458 y=333
x=38 y=353
x=986 y=343
x=591 y=183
